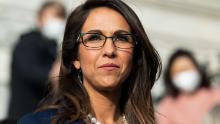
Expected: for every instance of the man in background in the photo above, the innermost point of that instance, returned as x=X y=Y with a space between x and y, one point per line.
x=32 y=60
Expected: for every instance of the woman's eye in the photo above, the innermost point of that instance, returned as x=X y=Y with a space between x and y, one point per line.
x=94 y=37
x=122 y=38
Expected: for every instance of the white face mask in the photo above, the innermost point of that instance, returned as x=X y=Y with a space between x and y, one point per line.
x=187 y=81
x=53 y=28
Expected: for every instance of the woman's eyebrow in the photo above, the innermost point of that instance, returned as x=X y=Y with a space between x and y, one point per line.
x=95 y=31
x=122 y=31
x=116 y=32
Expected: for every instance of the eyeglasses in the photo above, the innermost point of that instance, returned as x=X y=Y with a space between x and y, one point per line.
x=97 y=40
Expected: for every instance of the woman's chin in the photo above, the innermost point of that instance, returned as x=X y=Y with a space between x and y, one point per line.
x=108 y=86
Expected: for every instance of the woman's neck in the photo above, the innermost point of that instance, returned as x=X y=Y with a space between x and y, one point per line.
x=105 y=105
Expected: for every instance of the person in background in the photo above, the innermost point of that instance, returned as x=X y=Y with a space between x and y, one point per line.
x=189 y=95
x=32 y=60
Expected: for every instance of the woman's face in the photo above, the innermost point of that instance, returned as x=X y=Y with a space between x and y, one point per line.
x=182 y=64
x=106 y=68
x=184 y=74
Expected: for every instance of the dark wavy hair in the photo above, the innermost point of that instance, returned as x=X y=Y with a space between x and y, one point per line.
x=71 y=98
x=170 y=87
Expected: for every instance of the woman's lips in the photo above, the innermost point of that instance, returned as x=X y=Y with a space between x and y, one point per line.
x=109 y=67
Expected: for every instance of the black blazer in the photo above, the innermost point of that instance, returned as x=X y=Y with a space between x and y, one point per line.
x=43 y=117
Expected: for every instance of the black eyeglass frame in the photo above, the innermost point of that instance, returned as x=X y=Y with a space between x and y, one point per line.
x=80 y=36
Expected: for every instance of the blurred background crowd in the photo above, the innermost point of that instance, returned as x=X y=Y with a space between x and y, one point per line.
x=185 y=33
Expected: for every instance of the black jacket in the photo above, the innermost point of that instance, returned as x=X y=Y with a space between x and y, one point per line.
x=32 y=59
x=43 y=117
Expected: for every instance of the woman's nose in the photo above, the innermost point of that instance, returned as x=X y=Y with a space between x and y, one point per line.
x=109 y=48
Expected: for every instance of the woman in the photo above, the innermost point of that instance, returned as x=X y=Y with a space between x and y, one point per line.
x=190 y=96
x=108 y=69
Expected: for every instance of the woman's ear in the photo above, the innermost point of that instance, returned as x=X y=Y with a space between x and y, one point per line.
x=76 y=64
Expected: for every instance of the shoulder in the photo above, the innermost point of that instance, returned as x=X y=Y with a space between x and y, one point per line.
x=164 y=110
x=166 y=101
x=43 y=117
x=30 y=34
x=166 y=106
x=214 y=93
x=28 y=38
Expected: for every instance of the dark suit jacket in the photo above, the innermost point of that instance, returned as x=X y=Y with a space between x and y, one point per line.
x=43 y=117
x=32 y=58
